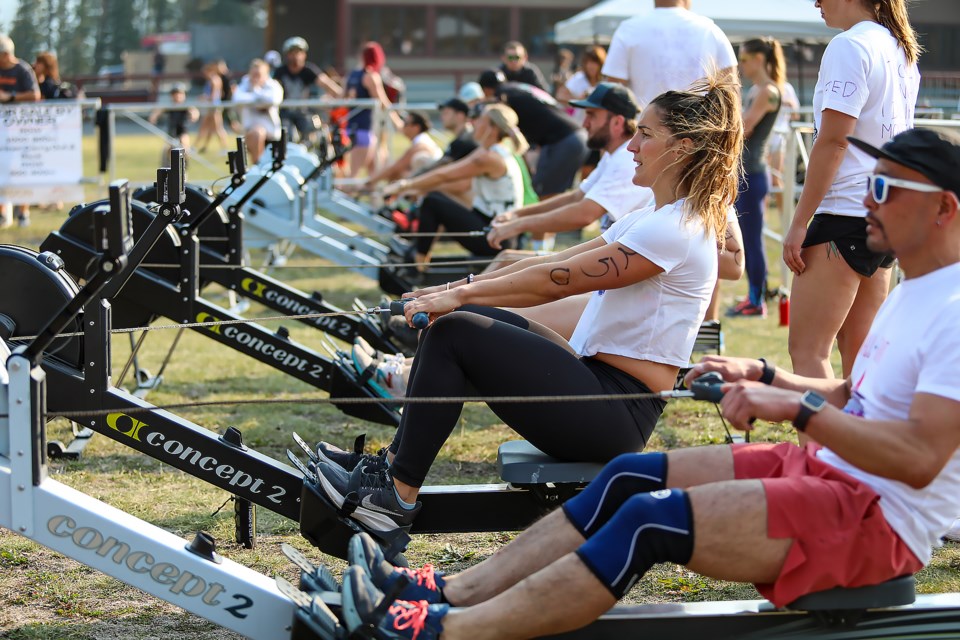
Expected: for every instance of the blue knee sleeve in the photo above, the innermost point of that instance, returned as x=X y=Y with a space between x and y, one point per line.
x=649 y=528
x=625 y=476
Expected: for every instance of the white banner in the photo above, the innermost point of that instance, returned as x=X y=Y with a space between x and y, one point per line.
x=41 y=160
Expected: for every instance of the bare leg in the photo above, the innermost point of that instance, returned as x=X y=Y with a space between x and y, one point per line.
x=821 y=299
x=871 y=294
x=724 y=511
x=256 y=142
x=553 y=536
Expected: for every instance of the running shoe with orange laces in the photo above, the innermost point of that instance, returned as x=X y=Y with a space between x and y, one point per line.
x=422 y=584
x=364 y=606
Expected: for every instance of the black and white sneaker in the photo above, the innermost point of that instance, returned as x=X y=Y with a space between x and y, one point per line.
x=332 y=454
x=378 y=507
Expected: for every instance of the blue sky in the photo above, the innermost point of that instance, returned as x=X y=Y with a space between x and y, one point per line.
x=8 y=8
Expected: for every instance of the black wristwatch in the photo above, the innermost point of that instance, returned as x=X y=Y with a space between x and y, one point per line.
x=769 y=371
x=811 y=403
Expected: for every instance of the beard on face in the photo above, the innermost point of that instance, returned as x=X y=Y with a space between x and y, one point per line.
x=600 y=139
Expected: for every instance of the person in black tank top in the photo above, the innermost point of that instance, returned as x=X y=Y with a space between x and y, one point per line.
x=761 y=62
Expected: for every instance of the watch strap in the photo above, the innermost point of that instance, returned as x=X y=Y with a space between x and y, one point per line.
x=769 y=371
x=803 y=417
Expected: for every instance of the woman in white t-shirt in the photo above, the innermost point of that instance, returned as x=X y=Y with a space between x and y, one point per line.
x=867 y=88
x=579 y=87
x=652 y=273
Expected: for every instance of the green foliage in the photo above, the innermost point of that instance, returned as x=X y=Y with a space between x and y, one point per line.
x=88 y=34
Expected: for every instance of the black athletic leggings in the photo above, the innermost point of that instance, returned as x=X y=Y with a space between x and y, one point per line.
x=438 y=209
x=491 y=352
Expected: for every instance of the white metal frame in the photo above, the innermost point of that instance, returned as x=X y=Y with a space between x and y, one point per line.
x=115 y=542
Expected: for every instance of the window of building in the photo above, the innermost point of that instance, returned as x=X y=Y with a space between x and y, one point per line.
x=536 y=28
x=399 y=30
x=463 y=31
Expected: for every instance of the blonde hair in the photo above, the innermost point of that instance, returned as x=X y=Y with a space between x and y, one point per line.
x=709 y=116
x=505 y=120
x=892 y=14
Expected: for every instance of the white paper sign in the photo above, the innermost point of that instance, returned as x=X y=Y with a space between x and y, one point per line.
x=40 y=152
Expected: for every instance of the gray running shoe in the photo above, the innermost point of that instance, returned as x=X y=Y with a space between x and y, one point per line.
x=379 y=508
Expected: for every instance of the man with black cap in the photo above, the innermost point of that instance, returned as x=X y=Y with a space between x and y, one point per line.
x=611 y=121
x=864 y=505
x=454 y=117
x=562 y=141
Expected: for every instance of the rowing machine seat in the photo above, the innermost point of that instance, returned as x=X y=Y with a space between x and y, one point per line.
x=892 y=593
x=522 y=463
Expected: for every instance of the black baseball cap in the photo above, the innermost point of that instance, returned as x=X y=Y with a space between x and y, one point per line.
x=491 y=78
x=935 y=154
x=456 y=104
x=615 y=98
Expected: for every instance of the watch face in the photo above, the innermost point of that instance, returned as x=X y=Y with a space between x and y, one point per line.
x=813 y=401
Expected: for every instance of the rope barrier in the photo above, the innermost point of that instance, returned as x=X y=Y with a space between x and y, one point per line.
x=91 y=413
x=327 y=265
x=214 y=323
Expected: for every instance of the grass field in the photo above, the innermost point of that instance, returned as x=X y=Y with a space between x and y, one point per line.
x=45 y=595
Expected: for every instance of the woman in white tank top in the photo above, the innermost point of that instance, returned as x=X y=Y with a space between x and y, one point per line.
x=496 y=178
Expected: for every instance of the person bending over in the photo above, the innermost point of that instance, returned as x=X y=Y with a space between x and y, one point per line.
x=653 y=273
x=865 y=505
x=497 y=185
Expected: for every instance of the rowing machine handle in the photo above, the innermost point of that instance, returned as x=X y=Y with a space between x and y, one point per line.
x=420 y=319
x=707 y=387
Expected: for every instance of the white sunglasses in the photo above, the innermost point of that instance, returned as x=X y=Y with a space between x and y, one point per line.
x=878 y=186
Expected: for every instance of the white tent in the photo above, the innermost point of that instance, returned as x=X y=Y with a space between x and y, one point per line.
x=785 y=20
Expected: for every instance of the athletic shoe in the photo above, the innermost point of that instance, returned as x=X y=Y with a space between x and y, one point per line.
x=378 y=506
x=953 y=533
x=364 y=606
x=422 y=584
x=748 y=310
x=383 y=372
x=348 y=460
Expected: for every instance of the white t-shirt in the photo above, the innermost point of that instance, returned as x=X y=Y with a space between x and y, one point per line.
x=265 y=99
x=427 y=155
x=666 y=49
x=611 y=186
x=913 y=347
x=864 y=74
x=656 y=319
x=579 y=87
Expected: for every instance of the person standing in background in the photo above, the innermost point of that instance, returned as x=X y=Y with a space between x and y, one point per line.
x=761 y=62
x=867 y=88
x=18 y=83
x=668 y=48
x=516 y=66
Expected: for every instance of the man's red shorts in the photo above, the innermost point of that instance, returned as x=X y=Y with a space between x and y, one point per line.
x=840 y=537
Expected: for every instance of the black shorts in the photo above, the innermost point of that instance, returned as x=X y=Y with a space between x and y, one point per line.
x=849 y=235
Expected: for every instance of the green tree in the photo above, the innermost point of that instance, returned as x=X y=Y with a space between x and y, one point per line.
x=28 y=30
x=77 y=45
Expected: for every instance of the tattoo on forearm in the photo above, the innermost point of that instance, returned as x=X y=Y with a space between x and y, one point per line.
x=611 y=263
x=560 y=276
x=737 y=252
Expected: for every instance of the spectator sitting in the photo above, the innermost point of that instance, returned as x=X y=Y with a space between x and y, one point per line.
x=177 y=120
x=261 y=117
x=516 y=66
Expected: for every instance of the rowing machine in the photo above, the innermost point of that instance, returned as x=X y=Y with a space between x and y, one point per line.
x=190 y=575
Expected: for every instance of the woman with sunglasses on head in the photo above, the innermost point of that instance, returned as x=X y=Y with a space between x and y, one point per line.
x=867 y=88
x=762 y=63
x=651 y=273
